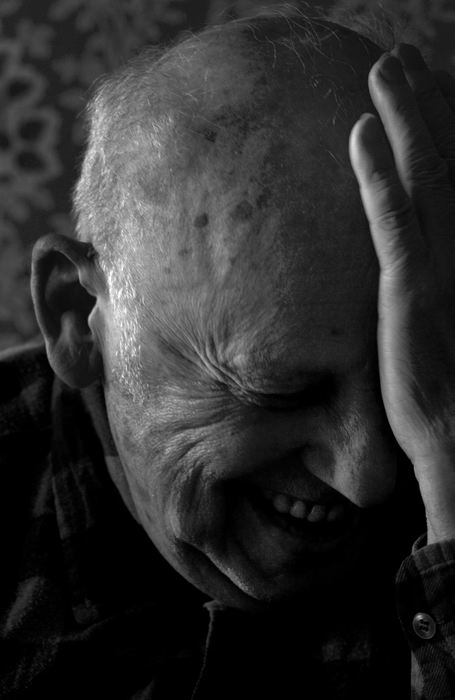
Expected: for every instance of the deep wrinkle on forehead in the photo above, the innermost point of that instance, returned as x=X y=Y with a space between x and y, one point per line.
x=308 y=340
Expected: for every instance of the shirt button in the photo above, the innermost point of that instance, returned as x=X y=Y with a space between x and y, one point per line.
x=424 y=626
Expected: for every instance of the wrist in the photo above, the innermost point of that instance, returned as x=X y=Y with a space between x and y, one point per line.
x=436 y=477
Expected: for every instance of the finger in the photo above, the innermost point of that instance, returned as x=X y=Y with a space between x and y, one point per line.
x=423 y=172
x=432 y=104
x=393 y=223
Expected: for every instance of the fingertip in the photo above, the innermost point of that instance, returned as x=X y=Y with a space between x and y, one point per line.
x=356 y=141
x=367 y=132
x=369 y=150
x=366 y=120
x=387 y=70
x=410 y=57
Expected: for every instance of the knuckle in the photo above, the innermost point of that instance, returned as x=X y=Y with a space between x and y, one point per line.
x=380 y=179
x=429 y=170
x=401 y=264
x=395 y=218
x=396 y=274
x=405 y=110
x=385 y=185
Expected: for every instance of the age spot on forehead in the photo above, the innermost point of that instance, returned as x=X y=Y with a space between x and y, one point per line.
x=201 y=220
x=263 y=198
x=183 y=252
x=210 y=135
x=242 y=212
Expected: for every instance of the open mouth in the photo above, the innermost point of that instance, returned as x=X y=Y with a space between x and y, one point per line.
x=309 y=523
x=275 y=546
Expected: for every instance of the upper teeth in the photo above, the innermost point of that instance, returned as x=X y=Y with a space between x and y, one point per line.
x=313 y=512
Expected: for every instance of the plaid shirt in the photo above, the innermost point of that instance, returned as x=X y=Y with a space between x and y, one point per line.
x=89 y=609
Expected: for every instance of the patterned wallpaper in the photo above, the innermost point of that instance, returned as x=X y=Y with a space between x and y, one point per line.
x=51 y=51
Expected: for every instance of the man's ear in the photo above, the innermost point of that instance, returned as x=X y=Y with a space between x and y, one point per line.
x=65 y=283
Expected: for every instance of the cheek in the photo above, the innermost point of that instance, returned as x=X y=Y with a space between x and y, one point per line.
x=171 y=484
x=133 y=459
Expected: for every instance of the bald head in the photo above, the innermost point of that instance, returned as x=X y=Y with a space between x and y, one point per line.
x=222 y=169
x=163 y=119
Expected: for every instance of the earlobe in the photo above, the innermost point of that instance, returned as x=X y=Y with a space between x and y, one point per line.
x=65 y=283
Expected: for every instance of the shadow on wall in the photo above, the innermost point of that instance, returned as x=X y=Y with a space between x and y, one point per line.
x=52 y=51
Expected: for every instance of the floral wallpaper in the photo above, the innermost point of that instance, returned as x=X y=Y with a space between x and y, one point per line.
x=51 y=51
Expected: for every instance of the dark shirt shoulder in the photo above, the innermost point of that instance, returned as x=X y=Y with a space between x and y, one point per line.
x=26 y=381
x=26 y=385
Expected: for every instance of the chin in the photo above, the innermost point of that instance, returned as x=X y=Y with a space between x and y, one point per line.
x=241 y=584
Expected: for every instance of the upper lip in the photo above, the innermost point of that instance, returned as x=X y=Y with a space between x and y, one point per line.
x=300 y=493
x=292 y=479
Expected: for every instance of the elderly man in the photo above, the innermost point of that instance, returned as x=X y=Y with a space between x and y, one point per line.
x=240 y=480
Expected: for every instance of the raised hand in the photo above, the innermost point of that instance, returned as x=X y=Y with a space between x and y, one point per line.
x=405 y=165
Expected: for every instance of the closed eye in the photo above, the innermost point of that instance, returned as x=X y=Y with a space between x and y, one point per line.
x=313 y=395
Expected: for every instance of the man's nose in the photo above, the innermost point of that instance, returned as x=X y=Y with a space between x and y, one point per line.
x=355 y=454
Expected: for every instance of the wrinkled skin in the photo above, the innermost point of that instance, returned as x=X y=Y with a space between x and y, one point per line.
x=258 y=365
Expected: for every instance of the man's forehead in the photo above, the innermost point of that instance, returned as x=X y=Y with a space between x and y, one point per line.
x=282 y=203
x=277 y=224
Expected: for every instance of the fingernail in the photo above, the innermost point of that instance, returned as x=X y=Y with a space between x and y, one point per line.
x=411 y=57
x=372 y=133
x=391 y=70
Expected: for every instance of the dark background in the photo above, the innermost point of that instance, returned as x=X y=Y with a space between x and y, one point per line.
x=51 y=51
